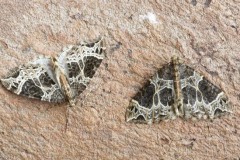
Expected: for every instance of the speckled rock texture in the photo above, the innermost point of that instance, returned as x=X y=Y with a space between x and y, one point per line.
x=140 y=37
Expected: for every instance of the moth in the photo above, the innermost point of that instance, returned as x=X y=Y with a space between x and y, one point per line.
x=177 y=90
x=57 y=79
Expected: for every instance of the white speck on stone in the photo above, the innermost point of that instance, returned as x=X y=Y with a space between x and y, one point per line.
x=151 y=17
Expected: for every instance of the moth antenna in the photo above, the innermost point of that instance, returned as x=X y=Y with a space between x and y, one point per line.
x=67 y=116
x=102 y=43
x=67 y=48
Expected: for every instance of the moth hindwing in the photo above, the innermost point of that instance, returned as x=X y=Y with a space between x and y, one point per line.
x=60 y=78
x=177 y=90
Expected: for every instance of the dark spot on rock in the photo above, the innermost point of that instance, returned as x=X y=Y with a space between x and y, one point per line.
x=130 y=17
x=197 y=48
x=106 y=65
x=129 y=51
x=3 y=44
x=194 y=2
x=214 y=28
x=77 y=16
x=207 y=3
x=116 y=47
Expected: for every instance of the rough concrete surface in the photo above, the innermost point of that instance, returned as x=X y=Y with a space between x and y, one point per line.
x=140 y=37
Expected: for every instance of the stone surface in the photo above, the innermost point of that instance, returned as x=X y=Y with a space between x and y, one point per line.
x=140 y=37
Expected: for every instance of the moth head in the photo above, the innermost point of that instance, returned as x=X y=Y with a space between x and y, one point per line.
x=57 y=65
x=175 y=59
x=54 y=61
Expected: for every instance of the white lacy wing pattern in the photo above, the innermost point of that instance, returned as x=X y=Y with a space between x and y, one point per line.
x=154 y=101
x=35 y=80
x=200 y=97
x=80 y=63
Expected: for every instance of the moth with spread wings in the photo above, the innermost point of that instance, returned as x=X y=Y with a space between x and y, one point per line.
x=177 y=91
x=57 y=79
